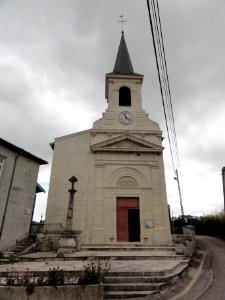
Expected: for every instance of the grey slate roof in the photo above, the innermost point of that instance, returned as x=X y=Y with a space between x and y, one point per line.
x=123 y=63
x=22 y=152
x=39 y=189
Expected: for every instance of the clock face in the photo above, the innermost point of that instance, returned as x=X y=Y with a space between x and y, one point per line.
x=126 y=117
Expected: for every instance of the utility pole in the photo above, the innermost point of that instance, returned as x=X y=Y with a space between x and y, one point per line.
x=179 y=190
x=223 y=181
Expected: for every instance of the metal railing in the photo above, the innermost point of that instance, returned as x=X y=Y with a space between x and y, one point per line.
x=54 y=276
x=36 y=228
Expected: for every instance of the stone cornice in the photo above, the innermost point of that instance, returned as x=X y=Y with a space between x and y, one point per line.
x=119 y=131
x=126 y=143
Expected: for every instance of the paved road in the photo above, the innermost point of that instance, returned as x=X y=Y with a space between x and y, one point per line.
x=217 y=247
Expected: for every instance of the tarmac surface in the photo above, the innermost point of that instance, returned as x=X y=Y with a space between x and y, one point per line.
x=216 y=290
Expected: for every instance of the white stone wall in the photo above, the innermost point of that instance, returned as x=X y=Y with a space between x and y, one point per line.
x=20 y=204
x=97 y=190
x=98 y=172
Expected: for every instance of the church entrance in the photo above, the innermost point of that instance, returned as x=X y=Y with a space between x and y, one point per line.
x=128 y=219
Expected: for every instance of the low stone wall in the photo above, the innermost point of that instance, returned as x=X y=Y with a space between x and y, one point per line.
x=48 y=241
x=185 y=244
x=75 y=292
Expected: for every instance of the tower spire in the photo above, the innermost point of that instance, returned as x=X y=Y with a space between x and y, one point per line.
x=123 y=63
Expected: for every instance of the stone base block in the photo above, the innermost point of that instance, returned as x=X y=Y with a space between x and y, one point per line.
x=67 y=244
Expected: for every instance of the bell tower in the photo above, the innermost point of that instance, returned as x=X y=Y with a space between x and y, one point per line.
x=123 y=93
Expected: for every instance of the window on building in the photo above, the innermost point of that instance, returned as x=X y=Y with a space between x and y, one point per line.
x=124 y=96
x=2 y=159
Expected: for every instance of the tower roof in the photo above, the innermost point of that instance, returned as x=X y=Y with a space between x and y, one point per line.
x=123 y=63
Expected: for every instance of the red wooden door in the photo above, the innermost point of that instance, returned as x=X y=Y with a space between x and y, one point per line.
x=122 y=225
x=123 y=204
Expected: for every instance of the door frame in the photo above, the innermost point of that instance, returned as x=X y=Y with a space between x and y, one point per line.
x=122 y=206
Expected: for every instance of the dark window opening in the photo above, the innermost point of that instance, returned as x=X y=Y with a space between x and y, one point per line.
x=124 y=96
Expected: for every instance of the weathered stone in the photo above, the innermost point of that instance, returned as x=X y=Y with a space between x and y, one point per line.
x=67 y=244
x=75 y=292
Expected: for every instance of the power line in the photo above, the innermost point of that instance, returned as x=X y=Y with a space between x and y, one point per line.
x=163 y=65
x=164 y=73
x=169 y=95
x=157 y=37
x=160 y=82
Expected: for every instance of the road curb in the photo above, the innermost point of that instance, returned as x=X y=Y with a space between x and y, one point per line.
x=200 y=281
x=194 y=284
x=207 y=274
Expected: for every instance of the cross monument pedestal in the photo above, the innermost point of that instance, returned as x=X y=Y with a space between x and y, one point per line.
x=70 y=241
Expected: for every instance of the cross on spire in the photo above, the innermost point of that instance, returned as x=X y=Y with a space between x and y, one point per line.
x=122 y=21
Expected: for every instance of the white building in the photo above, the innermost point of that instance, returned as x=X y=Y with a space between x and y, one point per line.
x=18 y=180
x=121 y=192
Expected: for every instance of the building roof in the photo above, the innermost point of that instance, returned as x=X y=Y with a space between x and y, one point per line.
x=39 y=189
x=22 y=152
x=123 y=63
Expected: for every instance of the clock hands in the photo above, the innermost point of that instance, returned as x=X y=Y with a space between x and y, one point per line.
x=127 y=116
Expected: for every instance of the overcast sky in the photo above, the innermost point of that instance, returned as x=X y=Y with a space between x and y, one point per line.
x=54 y=55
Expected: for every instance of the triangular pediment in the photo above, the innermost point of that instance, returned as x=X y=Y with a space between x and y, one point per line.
x=126 y=143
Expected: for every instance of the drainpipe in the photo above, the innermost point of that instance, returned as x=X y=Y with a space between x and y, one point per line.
x=223 y=179
x=9 y=191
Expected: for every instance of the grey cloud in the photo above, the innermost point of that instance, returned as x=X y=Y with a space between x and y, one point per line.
x=60 y=53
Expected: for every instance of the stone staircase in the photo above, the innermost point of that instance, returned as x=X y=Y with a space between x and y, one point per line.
x=139 y=270
x=135 y=284
x=23 y=244
x=131 y=252
x=135 y=270
x=17 y=249
x=127 y=247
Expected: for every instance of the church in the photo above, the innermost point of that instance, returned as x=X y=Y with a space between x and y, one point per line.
x=121 y=191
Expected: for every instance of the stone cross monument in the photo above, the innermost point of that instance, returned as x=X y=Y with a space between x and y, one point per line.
x=70 y=240
x=72 y=191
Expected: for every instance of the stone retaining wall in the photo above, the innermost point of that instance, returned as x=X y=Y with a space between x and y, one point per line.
x=185 y=244
x=75 y=292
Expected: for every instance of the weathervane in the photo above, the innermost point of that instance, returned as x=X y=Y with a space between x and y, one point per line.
x=122 y=21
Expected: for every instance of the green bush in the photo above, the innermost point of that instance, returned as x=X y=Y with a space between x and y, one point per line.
x=212 y=224
x=30 y=288
x=55 y=277
x=94 y=273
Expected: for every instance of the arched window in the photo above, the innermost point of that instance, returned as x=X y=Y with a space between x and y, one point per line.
x=124 y=96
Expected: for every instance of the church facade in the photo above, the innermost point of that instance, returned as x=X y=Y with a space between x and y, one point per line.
x=121 y=191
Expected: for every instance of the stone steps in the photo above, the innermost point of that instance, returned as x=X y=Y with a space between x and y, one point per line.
x=126 y=285
x=128 y=294
x=112 y=252
x=176 y=269
x=136 y=279
x=140 y=286
x=103 y=256
x=127 y=247
x=134 y=273
x=23 y=244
